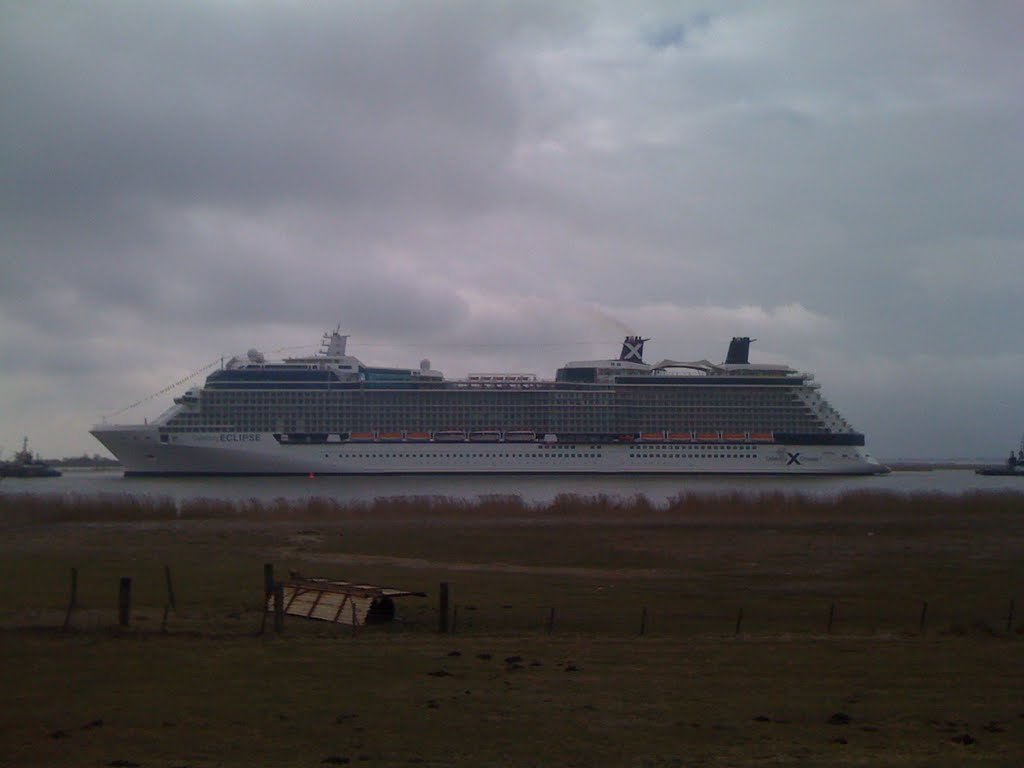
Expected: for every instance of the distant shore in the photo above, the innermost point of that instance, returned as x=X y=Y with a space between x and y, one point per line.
x=84 y=462
x=911 y=465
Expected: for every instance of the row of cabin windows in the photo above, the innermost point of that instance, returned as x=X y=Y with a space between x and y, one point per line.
x=508 y=415
x=493 y=400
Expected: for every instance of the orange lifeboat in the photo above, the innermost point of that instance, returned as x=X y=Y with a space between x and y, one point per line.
x=680 y=437
x=709 y=436
x=391 y=436
x=361 y=436
x=735 y=437
x=763 y=437
x=417 y=436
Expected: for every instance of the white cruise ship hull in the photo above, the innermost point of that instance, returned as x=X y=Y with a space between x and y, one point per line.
x=142 y=450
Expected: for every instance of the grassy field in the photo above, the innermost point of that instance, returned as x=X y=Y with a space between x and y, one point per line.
x=921 y=665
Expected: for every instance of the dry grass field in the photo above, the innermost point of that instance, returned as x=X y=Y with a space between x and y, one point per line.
x=871 y=629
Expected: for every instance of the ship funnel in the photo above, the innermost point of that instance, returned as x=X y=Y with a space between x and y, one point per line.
x=333 y=344
x=739 y=351
x=633 y=349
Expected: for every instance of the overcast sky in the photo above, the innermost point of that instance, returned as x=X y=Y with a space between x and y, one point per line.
x=503 y=186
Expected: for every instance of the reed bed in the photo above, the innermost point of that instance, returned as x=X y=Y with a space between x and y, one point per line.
x=727 y=507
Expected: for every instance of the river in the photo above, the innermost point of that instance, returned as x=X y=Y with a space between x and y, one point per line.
x=532 y=489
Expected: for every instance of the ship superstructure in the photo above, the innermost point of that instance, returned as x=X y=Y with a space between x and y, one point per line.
x=331 y=414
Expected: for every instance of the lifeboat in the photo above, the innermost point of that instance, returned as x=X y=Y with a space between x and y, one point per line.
x=709 y=436
x=652 y=436
x=417 y=436
x=735 y=437
x=390 y=436
x=520 y=436
x=449 y=435
x=485 y=436
x=762 y=437
x=680 y=437
x=361 y=436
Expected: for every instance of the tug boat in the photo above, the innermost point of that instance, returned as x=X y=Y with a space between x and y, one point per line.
x=27 y=465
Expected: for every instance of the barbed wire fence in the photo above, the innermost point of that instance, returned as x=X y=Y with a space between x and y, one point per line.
x=441 y=612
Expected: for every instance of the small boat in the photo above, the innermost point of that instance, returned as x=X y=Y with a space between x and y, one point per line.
x=1012 y=467
x=520 y=436
x=26 y=465
x=1004 y=471
x=449 y=435
x=735 y=437
x=485 y=436
x=361 y=436
x=652 y=436
x=390 y=436
x=680 y=437
x=419 y=437
x=762 y=437
x=709 y=436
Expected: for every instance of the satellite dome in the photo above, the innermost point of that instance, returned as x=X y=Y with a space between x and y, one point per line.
x=424 y=364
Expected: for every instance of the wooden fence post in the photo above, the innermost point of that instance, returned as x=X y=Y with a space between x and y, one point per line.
x=551 y=621
x=924 y=615
x=442 y=609
x=739 y=620
x=268 y=580
x=124 y=601
x=73 y=601
x=455 y=617
x=170 y=590
x=279 y=608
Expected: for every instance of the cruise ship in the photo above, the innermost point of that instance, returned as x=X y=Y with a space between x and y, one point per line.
x=331 y=414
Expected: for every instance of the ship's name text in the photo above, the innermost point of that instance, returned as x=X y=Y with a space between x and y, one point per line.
x=240 y=437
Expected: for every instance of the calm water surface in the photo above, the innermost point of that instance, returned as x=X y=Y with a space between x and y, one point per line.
x=534 y=489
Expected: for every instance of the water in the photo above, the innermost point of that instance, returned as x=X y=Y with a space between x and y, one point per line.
x=533 y=489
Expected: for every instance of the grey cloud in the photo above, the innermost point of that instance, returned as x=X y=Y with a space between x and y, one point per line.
x=198 y=103
x=507 y=186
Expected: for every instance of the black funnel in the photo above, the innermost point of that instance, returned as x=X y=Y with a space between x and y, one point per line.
x=633 y=349
x=739 y=351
